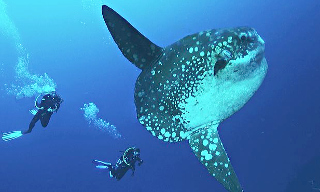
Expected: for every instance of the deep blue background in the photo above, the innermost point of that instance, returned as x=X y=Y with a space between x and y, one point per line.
x=273 y=142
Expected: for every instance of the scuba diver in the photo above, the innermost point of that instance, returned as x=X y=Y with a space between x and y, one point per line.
x=49 y=103
x=126 y=161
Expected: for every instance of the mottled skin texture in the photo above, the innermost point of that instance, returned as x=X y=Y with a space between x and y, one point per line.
x=186 y=89
x=177 y=75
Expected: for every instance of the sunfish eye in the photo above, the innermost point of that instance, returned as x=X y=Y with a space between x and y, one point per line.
x=243 y=36
x=226 y=54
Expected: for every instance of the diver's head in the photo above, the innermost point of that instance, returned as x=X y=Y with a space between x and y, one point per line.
x=53 y=93
x=56 y=97
x=136 y=151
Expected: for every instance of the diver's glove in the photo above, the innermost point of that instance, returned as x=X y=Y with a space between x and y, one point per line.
x=33 y=111
x=11 y=135
x=52 y=110
x=140 y=162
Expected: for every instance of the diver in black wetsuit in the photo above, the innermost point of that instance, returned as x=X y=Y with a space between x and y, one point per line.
x=49 y=103
x=126 y=161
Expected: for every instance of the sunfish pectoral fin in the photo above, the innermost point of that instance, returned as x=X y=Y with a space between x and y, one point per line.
x=138 y=49
x=207 y=146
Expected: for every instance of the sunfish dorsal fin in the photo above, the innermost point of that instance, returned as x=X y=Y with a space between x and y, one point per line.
x=138 y=49
x=207 y=146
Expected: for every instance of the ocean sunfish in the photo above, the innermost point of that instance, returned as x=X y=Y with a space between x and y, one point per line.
x=185 y=90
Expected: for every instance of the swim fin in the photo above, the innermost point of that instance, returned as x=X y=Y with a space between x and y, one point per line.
x=104 y=165
x=8 y=136
x=101 y=164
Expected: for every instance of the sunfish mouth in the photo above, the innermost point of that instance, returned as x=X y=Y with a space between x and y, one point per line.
x=259 y=56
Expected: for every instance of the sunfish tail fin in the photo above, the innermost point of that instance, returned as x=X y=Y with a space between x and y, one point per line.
x=207 y=146
x=138 y=49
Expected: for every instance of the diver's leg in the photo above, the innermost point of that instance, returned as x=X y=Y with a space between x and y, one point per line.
x=45 y=119
x=120 y=172
x=105 y=165
x=33 y=123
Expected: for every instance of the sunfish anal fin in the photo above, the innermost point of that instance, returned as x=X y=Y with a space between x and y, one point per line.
x=138 y=49
x=207 y=146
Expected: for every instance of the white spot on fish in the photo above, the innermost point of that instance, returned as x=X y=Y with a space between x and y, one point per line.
x=208 y=157
x=167 y=134
x=135 y=56
x=204 y=152
x=182 y=134
x=141 y=119
x=212 y=147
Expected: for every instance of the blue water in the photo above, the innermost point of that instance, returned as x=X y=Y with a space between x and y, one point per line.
x=273 y=141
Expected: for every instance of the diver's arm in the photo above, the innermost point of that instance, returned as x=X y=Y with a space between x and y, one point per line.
x=57 y=107
x=52 y=109
x=133 y=168
x=58 y=104
x=140 y=161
